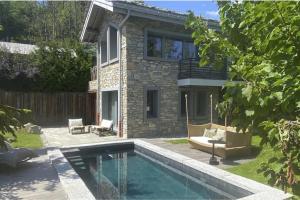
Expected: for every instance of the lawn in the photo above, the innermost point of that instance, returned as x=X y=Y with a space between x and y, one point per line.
x=249 y=170
x=178 y=141
x=25 y=139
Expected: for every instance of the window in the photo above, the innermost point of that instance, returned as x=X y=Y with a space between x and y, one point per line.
x=113 y=41
x=201 y=103
x=182 y=103
x=189 y=50
x=103 y=48
x=152 y=104
x=173 y=49
x=169 y=46
x=154 y=46
x=109 y=45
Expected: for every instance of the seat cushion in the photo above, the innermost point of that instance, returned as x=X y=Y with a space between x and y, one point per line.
x=204 y=140
x=220 y=135
x=209 y=132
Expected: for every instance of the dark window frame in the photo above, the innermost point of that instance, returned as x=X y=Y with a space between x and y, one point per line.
x=151 y=88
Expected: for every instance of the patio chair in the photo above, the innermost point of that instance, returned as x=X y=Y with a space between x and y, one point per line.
x=75 y=124
x=106 y=125
x=13 y=156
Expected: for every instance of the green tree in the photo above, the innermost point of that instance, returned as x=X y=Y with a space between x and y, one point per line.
x=63 y=66
x=10 y=119
x=262 y=41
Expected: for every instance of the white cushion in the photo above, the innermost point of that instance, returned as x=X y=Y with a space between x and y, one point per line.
x=209 y=132
x=75 y=122
x=204 y=140
x=220 y=135
x=106 y=124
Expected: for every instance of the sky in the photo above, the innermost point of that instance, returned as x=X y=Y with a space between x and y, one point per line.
x=207 y=9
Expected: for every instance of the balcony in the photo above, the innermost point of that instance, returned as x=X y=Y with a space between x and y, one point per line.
x=93 y=82
x=191 y=74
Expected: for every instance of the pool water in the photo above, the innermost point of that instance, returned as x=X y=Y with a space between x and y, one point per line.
x=129 y=174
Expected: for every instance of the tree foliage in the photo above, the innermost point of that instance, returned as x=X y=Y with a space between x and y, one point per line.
x=63 y=66
x=262 y=41
x=35 y=21
x=10 y=119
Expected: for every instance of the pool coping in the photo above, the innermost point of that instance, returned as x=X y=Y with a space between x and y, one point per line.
x=76 y=188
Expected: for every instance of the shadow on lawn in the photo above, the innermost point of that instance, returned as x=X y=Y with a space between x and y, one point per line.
x=28 y=177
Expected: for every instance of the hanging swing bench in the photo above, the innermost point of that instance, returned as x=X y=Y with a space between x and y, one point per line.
x=234 y=144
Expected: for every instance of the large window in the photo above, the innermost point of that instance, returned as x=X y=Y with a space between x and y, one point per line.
x=109 y=45
x=154 y=46
x=113 y=39
x=152 y=103
x=173 y=49
x=169 y=47
x=201 y=103
x=189 y=50
x=103 y=48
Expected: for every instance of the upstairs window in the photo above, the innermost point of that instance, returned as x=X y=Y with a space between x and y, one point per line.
x=173 y=49
x=113 y=41
x=103 y=48
x=189 y=50
x=154 y=46
x=152 y=103
x=169 y=46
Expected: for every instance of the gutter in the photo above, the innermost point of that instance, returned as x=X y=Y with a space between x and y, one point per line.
x=121 y=73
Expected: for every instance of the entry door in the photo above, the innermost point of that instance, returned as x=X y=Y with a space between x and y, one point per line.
x=110 y=106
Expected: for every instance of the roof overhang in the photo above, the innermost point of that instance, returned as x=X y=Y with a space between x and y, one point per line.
x=97 y=7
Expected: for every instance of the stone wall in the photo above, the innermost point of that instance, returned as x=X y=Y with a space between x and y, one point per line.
x=142 y=73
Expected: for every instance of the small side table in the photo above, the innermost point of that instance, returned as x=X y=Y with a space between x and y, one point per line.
x=213 y=160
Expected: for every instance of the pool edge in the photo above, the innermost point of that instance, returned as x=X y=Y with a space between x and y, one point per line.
x=259 y=190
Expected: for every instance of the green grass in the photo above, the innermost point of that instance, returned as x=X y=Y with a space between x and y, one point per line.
x=25 y=139
x=178 y=141
x=263 y=154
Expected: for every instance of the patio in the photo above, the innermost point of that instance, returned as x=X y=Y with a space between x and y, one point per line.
x=35 y=179
x=186 y=150
x=60 y=137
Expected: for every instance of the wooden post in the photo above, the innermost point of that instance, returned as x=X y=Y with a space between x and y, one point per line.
x=187 y=113
x=225 y=123
x=211 y=109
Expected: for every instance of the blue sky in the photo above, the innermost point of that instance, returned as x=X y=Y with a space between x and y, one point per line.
x=207 y=9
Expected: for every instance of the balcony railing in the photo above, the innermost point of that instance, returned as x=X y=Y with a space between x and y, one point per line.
x=93 y=73
x=189 y=68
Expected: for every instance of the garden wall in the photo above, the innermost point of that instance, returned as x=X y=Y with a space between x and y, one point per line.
x=53 y=109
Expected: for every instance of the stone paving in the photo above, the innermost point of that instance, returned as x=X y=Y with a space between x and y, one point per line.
x=186 y=150
x=60 y=137
x=35 y=180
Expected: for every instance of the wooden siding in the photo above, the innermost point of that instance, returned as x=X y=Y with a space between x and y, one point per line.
x=50 y=109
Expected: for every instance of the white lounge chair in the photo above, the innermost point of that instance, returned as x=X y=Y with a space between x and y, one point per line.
x=75 y=124
x=106 y=125
x=13 y=156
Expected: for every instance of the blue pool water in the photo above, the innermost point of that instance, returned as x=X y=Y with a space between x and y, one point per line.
x=128 y=174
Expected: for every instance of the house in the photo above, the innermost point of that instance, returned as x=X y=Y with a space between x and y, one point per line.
x=146 y=63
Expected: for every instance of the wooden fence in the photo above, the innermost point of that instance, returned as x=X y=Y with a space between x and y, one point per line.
x=49 y=109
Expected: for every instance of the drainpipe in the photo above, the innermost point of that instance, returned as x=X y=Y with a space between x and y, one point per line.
x=121 y=73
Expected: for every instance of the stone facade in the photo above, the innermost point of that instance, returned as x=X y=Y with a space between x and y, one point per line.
x=140 y=73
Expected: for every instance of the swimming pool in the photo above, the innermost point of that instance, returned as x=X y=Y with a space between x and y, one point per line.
x=135 y=169
x=129 y=174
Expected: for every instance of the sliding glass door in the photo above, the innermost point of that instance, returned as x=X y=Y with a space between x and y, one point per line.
x=110 y=106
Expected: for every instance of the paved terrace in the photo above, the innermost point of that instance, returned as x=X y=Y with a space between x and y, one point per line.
x=34 y=180
x=60 y=137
